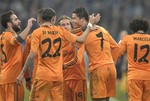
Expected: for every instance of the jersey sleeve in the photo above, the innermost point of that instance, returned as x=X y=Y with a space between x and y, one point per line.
x=122 y=45
x=11 y=38
x=69 y=36
x=35 y=42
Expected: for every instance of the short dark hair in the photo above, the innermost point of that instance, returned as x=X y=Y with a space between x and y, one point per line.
x=5 y=18
x=138 y=24
x=46 y=13
x=82 y=12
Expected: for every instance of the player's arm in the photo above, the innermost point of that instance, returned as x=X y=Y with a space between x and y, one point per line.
x=31 y=56
x=72 y=38
x=28 y=62
x=22 y=36
x=25 y=55
x=119 y=52
x=92 y=20
x=114 y=48
x=123 y=46
x=26 y=52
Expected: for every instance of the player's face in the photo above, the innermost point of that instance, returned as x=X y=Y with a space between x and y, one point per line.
x=76 y=21
x=15 y=23
x=66 y=24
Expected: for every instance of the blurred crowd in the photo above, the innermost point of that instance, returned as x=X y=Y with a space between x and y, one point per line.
x=116 y=14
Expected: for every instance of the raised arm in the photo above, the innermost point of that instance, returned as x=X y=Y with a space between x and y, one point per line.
x=22 y=36
x=92 y=20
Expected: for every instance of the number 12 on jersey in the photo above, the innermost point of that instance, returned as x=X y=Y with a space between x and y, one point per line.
x=144 y=57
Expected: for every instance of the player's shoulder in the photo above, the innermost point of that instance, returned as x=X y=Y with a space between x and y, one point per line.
x=60 y=28
x=7 y=33
x=102 y=29
x=38 y=31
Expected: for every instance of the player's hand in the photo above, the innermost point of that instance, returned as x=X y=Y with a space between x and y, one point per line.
x=94 y=19
x=28 y=85
x=94 y=27
x=30 y=22
x=20 y=78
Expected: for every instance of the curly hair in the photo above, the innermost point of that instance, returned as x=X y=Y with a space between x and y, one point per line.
x=138 y=24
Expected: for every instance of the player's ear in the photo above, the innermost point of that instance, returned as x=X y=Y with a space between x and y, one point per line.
x=53 y=19
x=9 y=24
x=39 y=20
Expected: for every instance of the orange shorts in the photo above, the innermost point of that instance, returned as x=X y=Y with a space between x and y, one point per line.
x=75 y=90
x=11 y=92
x=103 y=81
x=42 y=89
x=139 y=90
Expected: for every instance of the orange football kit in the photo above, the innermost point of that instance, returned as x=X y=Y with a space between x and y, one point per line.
x=101 y=48
x=74 y=84
x=47 y=42
x=137 y=47
x=11 y=65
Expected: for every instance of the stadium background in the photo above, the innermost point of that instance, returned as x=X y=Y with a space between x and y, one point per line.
x=115 y=16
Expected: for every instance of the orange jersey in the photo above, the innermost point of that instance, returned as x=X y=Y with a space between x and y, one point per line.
x=26 y=53
x=138 y=55
x=11 y=57
x=47 y=41
x=76 y=71
x=100 y=47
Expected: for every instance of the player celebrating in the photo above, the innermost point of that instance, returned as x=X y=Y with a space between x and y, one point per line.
x=47 y=42
x=100 y=48
x=74 y=84
x=11 y=56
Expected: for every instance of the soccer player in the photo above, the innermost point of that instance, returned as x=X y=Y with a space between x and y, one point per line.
x=11 y=56
x=137 y=46
x=74 y=84
x=100 y=48
x=47 y=42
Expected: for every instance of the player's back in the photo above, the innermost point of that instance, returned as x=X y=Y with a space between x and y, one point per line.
x=138 y=48
x=48 y=41
x=98 y=46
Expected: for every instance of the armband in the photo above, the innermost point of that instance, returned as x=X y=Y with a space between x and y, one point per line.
x=19 y=39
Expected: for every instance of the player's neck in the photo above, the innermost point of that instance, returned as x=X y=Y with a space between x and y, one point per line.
x=140 y=32
x=46 y=24
x=10 y=30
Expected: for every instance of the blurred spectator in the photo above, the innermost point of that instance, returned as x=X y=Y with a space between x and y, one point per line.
x=115 y=13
